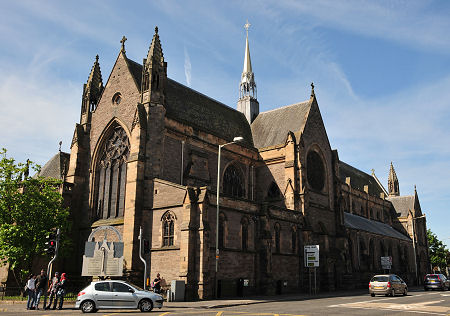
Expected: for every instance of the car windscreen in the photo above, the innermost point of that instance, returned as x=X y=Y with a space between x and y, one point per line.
x=382 y=278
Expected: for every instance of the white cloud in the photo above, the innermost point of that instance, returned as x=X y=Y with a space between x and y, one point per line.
x=187 y=67
x=408 y=22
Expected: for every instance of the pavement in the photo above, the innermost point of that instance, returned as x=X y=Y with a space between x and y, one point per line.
x=230 y=302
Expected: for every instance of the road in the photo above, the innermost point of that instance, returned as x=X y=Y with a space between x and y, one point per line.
x=416 y=303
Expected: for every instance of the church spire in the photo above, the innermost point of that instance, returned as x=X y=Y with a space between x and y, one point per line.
x=393 y=185
x=247 y=103
x=91 y=92
x=247 y=86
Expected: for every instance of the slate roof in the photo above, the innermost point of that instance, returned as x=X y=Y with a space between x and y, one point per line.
x=358 y=179
x=200 y=111
x=362 y=223
x=402 y=204
x=271 y=128
x=56 y=167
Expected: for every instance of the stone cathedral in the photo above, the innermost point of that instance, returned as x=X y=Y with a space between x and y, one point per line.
x=145 y=154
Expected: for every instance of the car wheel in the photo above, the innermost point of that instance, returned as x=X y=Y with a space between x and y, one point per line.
x=145 y=305
x=88 y=307
x=372 y=294
x=405 y=292
x=425 y=288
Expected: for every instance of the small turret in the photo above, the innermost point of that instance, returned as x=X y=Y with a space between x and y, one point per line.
x=154 y=73
x=92 y=91
x=248 y=103
x=393 y=186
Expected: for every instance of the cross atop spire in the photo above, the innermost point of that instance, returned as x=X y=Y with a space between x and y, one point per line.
x=312 y=90
x=247 y=26
x=122 y=41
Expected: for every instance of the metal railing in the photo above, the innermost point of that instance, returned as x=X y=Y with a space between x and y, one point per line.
x=16 y=294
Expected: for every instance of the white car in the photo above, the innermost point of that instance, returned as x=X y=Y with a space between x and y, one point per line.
x=116 y=294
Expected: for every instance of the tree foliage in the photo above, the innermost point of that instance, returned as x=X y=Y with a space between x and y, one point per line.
x=29 y=208
x=439 y=254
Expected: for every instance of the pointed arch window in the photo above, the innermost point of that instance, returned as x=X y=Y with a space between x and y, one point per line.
x=294 y=240
x=168 y=223
x=233 y=183
x=110 y=175
x=244 y=231
x=315 y=171
x=277 y=237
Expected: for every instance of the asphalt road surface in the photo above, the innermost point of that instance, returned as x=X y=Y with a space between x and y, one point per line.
x=416 y=303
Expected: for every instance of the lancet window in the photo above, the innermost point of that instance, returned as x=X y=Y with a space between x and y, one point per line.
x=110 y=175
x=168 y=222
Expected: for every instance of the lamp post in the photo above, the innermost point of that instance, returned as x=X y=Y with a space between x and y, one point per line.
x=414 y=246
x=235 y=140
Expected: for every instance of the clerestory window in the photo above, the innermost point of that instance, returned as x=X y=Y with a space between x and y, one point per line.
x=233 y=183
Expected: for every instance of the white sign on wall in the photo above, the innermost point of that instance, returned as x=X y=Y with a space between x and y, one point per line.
x=386 y=263
x=311 y=256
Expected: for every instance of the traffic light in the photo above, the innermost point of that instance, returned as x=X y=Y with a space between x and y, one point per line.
x=146 y=246
x=50 y=244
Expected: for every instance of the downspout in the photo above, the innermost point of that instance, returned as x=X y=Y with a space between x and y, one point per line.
x=182 y=162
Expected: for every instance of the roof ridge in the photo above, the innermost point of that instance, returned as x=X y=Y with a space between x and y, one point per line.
x=286 y=106
x=204 y=95
x=355 y=168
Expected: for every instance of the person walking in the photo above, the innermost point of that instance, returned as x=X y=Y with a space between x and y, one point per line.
x=61 y=291
x=52 y=290
x=157 y=284
x=41 y=282
x=31 y=291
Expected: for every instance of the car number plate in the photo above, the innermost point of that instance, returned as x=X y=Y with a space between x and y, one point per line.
x=379 y=287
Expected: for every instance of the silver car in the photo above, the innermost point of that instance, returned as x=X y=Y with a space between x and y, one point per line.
x=116 y=294
x=387 y=284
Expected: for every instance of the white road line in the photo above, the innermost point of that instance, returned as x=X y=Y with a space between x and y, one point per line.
x=396 y=310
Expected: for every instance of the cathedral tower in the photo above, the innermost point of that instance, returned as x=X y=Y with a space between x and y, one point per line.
x=248 y=104
x=393 y=185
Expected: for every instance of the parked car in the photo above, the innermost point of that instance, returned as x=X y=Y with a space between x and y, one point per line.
x=436 y=281
x=114 y=294
x=387 y=284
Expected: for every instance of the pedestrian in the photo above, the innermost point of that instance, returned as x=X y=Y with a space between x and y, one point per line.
x=157 y=284
x=61 y=291
x=41 y=282
x=52 y=290
x=31 y=291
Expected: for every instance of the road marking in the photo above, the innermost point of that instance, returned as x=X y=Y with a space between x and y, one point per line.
x=166 y=313
x=219 y=313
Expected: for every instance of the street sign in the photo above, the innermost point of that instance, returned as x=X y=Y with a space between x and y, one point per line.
x=311 y=256
x=386 y=263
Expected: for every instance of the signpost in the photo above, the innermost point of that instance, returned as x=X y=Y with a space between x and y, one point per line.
x=311 y=255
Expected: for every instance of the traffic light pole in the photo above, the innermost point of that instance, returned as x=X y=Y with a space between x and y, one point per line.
x=141 y=239
x=50 y=266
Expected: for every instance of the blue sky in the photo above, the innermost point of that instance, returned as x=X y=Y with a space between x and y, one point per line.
x=381 y=71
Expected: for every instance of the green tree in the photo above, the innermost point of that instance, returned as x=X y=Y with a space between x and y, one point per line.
x=30 y=207
x=438 y=252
